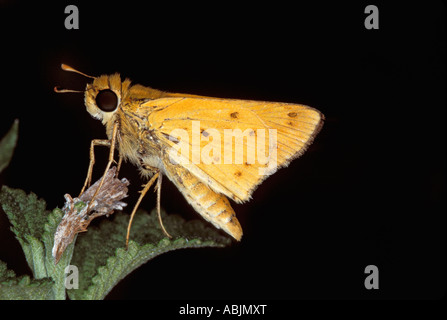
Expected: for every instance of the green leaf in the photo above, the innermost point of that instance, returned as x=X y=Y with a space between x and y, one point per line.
x=26 y=213
x=7 y=145
x=56 y=272
x=23 y=288
x=99 y=255
x=28 y=216
x=103 y=261
x=34 y=228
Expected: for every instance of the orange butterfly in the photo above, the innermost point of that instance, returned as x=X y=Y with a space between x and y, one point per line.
x=210 y=148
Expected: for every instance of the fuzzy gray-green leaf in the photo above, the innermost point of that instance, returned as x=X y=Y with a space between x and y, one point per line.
x=23 y=288
x=100 y=255
x=103 y=265
x=34 y=228
x=25 y=212
x=56 y=271
x=27 y=215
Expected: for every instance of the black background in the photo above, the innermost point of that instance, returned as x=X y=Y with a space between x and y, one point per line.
x=370 y=190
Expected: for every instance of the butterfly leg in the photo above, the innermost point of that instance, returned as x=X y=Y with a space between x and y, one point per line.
x=143 y=193
x=88 y=179
x=120 y=161
x=109 y=163
x=159 y=206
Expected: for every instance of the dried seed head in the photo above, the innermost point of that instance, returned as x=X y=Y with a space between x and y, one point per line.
x=76 y=218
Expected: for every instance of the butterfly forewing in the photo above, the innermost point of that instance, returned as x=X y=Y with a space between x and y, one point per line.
x=214 y=147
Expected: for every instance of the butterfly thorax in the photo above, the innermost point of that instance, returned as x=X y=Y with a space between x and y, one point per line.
x=137 y=143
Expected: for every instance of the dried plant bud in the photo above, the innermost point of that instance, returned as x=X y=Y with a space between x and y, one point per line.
x=76 y=218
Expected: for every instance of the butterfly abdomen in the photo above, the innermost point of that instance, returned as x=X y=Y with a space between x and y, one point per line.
x=214 y=207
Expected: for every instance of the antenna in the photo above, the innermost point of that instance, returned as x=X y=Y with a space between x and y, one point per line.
x=66 y=67
x=61 y=90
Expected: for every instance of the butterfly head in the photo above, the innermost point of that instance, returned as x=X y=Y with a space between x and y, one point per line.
x=103 y=96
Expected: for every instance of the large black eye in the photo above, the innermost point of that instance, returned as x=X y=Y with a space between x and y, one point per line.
x=106 y=100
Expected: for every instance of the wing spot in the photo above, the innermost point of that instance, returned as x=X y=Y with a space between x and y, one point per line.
x=234 y=115
x=204 y=133
x=292 y=114
x=238 y=173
